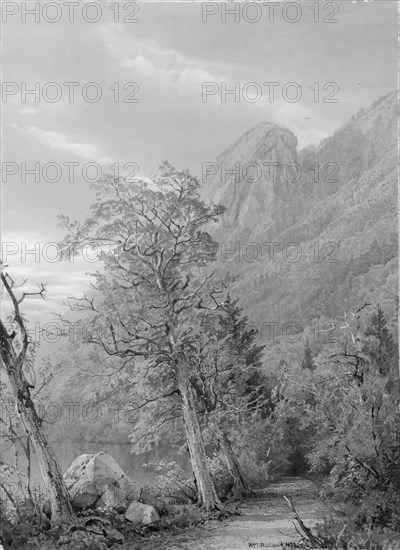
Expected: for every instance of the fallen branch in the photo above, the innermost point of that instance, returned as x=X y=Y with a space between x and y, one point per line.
x=305 y=532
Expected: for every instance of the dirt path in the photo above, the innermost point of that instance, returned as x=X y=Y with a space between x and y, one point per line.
x=266 y=523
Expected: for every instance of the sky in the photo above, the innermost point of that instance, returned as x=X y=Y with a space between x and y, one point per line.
x=151 y=76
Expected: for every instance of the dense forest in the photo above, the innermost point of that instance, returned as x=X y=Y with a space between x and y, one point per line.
x=168 y=359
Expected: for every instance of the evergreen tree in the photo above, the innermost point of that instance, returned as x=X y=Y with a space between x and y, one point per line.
x=241 y=339
x=307 y=361
x=380 y=346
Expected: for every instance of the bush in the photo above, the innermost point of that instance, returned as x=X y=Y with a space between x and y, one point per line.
x=336 y=534
x=223 y=480
x=21 y=537
x=181 y=516
x=17 y=526
x=30 y=529
x=172 y=485
x=257 y=473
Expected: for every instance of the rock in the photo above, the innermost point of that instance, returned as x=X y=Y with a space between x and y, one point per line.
x=150 y=495
x=97 y=480
x=243 y=181
x=114 y=535
x=141 y=514
x=103 y=527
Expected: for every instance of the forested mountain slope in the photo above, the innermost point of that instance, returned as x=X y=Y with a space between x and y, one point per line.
x=319 y=234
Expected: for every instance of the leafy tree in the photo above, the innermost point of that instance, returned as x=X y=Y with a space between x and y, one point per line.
x=290 y=429
x=146 y=304
x=353 y=418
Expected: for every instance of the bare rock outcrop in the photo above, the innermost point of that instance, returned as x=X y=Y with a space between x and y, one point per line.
x=97 y=481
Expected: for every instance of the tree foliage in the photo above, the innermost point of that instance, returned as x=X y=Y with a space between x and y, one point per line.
x=348 y=409
x=149 y=296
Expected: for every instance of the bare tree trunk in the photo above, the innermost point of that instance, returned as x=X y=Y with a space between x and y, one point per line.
x=208 y=497
x=60 y=504
x=241 y=486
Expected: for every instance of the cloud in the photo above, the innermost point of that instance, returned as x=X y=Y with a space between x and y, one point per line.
x=152 y=46
x=27 y=111
x=183 y=79
x=168 y=68
x=59 y=142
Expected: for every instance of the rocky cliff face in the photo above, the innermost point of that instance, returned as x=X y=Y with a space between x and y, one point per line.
x=319 y=235
x=249 y=177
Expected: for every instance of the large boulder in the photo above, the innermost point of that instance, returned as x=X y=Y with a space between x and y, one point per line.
x=141 y=514
x=97 y=480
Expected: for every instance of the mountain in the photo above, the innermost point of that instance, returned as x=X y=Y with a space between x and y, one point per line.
x=328 y=212
x=244 y=181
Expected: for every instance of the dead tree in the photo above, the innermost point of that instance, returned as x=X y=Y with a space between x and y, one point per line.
x=14 y=349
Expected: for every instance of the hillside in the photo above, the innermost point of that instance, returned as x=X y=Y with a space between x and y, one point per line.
x=332 y=231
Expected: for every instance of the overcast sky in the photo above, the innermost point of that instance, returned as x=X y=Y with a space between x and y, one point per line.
x=169 y=53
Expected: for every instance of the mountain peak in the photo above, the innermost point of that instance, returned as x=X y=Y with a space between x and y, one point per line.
x=243 y=179
x=266 y=124
x=256 y=135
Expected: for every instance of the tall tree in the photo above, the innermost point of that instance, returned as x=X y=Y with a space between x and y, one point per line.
x=241 y=340
x=15 y=349
x=380 y=345
x=149 y=297
x=307 y=361
x=228 y=382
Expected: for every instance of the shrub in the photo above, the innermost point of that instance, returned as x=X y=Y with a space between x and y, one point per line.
x=223 y=480
x=336 y=534
x=257 y=472
x=181 y=516
x=172 y=485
